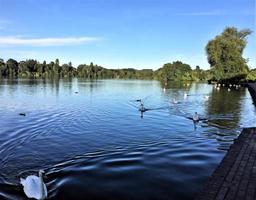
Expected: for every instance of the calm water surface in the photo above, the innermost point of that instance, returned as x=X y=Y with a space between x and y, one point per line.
x=94 y=144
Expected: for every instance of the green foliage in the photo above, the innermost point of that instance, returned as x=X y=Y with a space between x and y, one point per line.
x=200 y=75
x=225 y=54
x=94 y=71
x=251 y=76
x=32 y=68
x=11 y=68
x=2 y=68
x=174 y=71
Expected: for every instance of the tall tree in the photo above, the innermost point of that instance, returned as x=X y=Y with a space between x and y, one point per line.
x=2 y=68
x=12 y=67
x=225 y=54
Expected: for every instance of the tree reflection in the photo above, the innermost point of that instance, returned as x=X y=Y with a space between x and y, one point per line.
x=224 y=110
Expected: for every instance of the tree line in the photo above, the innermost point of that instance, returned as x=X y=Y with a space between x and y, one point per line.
x=32 y=68
x=224 y=54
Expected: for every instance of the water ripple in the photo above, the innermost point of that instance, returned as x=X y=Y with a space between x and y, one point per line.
x=95 y=144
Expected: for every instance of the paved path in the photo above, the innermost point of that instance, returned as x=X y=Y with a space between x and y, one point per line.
x=235 y=177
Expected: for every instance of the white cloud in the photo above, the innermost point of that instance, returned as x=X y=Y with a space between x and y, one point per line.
x=23 y=41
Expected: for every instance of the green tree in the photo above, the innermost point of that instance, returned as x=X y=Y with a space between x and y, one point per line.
x=56 y=67
x=12 y=68
x=2 y=67
x=224 y=54
x=251 y=75
x=174 y=71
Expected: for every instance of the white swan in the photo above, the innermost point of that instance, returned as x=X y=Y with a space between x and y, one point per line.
x=34 y=186
x=174 y=101
x=185 y=95
x=206 y=97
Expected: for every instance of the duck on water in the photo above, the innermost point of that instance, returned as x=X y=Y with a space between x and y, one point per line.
x=142 y=108
x=196 y=118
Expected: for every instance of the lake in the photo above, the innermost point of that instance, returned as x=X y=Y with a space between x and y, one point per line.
x=93 y=142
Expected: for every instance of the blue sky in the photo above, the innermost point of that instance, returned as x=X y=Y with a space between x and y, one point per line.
x=120 y=33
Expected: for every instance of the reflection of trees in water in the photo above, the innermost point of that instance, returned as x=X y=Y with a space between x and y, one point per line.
x=46 y=84
x=88 y=85
x=54 y=85
x=12 y=82
x=224 y=111
x=224 y=107
x=176 y=84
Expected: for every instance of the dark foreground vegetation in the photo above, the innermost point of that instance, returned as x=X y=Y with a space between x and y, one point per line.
x=224 y=54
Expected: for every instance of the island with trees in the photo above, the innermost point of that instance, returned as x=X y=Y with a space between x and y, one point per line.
x=224 y=53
